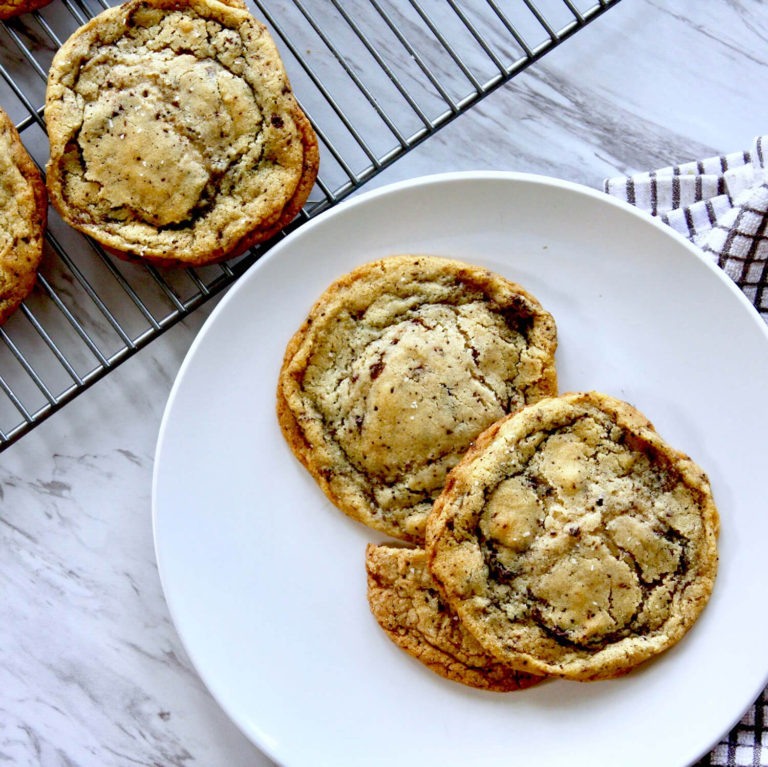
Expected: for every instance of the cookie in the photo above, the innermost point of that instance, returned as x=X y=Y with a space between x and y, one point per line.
x=9 y=8
x=23 y=210
x=399 y=366
x=175 y=136
x=573 y=541
x=405 y=601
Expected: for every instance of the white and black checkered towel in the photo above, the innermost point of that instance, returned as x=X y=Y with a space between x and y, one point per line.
x=720 y=204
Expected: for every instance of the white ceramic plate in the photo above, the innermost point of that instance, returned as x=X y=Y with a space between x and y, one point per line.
x=265 y=579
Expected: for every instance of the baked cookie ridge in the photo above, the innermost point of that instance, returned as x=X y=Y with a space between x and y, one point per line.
x=573 y=541
x=406 y=603
x=23 y=214
x=10 y=8
x=399 y=366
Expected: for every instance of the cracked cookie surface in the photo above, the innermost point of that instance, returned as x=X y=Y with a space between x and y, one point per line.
x=23 y=209
x=573 y=541
x=175 y=136
x=406 y=603
x=399 y=366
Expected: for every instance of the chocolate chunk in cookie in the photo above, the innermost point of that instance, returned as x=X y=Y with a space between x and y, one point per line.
x=573 y=541
x=400 y=365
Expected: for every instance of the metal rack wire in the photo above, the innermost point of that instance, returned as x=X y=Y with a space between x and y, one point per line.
x=376 y=78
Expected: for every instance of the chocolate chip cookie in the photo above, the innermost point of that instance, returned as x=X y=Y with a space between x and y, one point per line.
x=175 y=136
x=23 y=210
x=573 y=541
x=406 y=602
x=399 y=366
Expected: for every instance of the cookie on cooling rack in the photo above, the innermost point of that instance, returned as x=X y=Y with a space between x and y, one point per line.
x=573 y=541
x=175 y=136
x=399 y=366
x=9 y=8
x=406 y=602
x=23 y=209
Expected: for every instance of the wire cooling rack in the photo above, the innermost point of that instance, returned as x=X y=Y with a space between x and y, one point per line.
x=376 y=78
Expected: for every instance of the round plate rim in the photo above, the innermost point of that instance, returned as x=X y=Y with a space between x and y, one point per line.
x=341 y=209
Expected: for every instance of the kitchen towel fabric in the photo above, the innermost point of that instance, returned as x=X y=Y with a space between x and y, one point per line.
x=720 y=204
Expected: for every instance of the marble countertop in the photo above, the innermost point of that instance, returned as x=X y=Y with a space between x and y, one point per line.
x=92 y=671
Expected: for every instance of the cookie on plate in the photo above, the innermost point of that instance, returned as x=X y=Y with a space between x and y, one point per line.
x=175 y=136
x=406 y=602
x=399 y=366
x=23 y=209
x=573 y=541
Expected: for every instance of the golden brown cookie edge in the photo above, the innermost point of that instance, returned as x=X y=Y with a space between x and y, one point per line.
x=496 y=677
x=22 y=160
x=9 y=11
